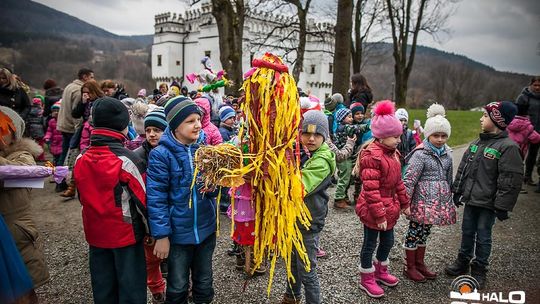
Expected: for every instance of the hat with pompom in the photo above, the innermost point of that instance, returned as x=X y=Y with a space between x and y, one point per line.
x=384 y=122
x=436 y=121
x=501 y=113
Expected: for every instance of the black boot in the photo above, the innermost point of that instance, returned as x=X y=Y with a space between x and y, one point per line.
x=459 y=267
x=61 y=187
x=537 y=190
x=164 y=268
x=479 y=272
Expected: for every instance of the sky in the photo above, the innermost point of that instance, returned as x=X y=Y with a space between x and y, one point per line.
x=500 y=33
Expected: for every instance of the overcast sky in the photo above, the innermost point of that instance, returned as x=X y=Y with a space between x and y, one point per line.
x=500 y=33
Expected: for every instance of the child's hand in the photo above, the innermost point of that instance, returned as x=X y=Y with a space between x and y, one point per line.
x=406 y=211
x=382 y=226
x=161 y=250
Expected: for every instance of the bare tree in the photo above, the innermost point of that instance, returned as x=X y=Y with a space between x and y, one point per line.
x=342 y=55
x=229 y=15
x=302 y=13
x=408 y=18
x=366 y=15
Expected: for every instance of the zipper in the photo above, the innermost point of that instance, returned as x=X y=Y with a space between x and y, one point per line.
x=194 y=195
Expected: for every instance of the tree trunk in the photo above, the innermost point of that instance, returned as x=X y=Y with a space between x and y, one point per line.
x=342 y=55
x=356 y=50
x=302 y=37
x=230 y=24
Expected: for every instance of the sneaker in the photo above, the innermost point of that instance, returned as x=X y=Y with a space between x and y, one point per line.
x=158 y=298
x=320 y=253
x=235 y=250
x=523 y=191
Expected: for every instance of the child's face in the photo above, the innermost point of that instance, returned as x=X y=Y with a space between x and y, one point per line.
x=535 y=87
x=312 y=141
x=54 y=114
x=391 y=142
x=438 y=139
x=188 y=131
x=230 y=121
x=487 y=124
x=358 y=116
x=403 y=122
x=348 y=119
x=153 y=135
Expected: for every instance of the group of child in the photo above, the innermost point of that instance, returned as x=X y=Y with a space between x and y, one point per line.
x=143 y=208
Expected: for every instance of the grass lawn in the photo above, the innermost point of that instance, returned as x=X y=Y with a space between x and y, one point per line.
x=465 y=124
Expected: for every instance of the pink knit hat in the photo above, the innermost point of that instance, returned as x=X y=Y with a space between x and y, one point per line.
x=384 y=123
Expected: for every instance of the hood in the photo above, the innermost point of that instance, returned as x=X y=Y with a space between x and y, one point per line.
x=528 y=92
x=24 y=144
x=518 y=124
x=204 y=104
x=169 y=141
x=325 y=153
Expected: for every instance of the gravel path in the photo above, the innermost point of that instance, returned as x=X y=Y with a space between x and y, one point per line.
x=514 y=265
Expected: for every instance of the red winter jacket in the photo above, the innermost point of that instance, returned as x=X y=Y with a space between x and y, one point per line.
x=112 y=192
x=383 y=193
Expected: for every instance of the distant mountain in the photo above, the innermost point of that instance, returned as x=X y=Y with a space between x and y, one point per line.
x=25 y=20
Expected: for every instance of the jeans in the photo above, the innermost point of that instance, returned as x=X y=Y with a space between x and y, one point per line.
x=386 y=241
x=476 y=230
x=197 y=259
x=118 y=275
x=344 y=179
x=531 y=159
x=66 y=138
x=310 y=279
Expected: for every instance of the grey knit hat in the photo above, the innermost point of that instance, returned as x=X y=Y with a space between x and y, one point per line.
x=331 y=102
x=315 y=122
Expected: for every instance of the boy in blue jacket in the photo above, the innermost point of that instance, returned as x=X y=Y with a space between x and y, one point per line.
x=185 y=235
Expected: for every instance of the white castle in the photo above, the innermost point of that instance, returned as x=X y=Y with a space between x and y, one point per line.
x=182 y=40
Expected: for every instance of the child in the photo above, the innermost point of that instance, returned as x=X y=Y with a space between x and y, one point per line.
x=154 y=125
x=182 y=219
x=331 y=105
x=522 y=131
x=15 y=202
x=227 y=116
x=345 y=129
x=318 y=165
x=113 y=207
x=213 y=137
x=53 y=137
x=417 y=132
x=407 y=142
x=138 y=111
x=488 y=181
x=383 y=196
x=36 y=124
x=428 y=179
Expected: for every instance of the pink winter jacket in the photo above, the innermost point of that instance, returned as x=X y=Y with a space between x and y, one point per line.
x=54 y=138
x=85 y=136
x=213 y=137
x=522 y=132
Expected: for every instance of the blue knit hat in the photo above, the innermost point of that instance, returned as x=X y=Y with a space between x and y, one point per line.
x=226 y=113
x=156 y=118
x=357 y=107
x=178 y=109
x=342 y=113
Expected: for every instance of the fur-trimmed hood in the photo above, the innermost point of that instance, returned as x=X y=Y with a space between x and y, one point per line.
x=23 y=145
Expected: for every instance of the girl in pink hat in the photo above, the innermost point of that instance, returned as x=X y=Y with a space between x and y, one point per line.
x=381 y=200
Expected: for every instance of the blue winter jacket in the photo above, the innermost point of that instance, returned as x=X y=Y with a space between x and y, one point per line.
x=169 y=177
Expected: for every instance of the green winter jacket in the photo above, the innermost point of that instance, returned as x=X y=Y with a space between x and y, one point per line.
x=316 y=178
x=490 y=173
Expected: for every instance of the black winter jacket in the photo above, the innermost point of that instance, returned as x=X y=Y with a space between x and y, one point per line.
x=533 y=100
x=490 y=173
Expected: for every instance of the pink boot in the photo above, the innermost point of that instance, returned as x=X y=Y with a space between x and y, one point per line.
x=383 y=276
x=368 y=283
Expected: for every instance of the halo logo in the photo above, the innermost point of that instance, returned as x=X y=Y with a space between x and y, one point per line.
x=465 y=289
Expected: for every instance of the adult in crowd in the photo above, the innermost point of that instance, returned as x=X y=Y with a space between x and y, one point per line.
x=12 y=93
x=530 y=97
x=52 y=94
x=360 y=91
x=71 y=97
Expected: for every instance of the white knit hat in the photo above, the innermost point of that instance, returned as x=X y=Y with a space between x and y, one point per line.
x=401 y=113
x=17 y=121
x=436 y=121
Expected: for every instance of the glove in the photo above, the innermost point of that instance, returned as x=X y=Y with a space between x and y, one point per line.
x=457 y=200
x=501 y=214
